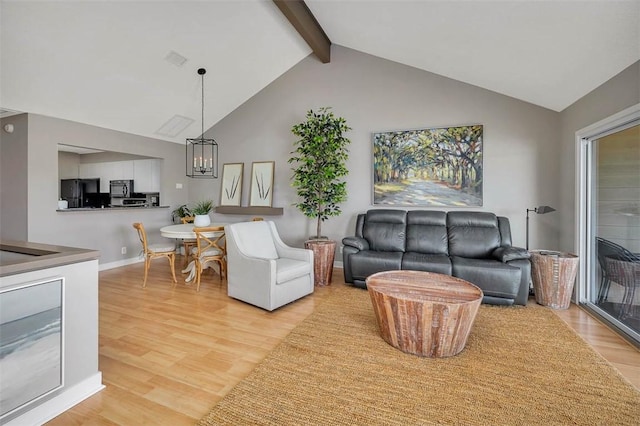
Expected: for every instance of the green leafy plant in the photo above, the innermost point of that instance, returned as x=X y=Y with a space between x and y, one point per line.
x=180 y=212
x=202 y=207
x=319 y=163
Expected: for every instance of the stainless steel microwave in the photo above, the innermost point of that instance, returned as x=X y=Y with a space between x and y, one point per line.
x=120 y=188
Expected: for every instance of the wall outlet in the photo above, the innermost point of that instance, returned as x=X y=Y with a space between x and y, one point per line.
x=123 y=250
x=178 y=186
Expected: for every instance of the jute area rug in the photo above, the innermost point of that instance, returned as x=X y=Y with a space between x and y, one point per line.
x=521 y=366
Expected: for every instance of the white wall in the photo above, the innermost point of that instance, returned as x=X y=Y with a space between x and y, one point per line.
x=521 y=165
x=104 y=230
x=617 y=94
x=13 y=178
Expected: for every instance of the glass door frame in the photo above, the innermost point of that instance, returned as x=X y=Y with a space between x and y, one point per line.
x=585 y=211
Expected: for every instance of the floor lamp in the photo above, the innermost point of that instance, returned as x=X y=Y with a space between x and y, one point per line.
x=538 y=210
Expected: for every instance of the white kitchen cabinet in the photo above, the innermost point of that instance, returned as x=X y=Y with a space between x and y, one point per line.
x=107 y=171
x=146 y=175
x=95 y=170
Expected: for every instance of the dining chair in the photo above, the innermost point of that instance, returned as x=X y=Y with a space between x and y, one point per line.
x=209 y=249
x=152 y=251
x=188 y=244
x=257 y=219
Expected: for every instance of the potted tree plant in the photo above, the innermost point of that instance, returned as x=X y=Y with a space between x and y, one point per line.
x=201 y=211
x=319 y=161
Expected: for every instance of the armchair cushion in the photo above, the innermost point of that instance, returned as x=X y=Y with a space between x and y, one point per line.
x=288 y=269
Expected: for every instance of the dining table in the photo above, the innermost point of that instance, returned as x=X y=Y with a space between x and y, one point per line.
x=186 y=231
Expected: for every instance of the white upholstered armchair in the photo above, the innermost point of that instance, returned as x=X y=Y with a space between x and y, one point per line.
x=262 y=270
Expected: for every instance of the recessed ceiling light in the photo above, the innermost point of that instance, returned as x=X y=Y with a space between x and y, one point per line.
x=175 y=58
x=174 y=126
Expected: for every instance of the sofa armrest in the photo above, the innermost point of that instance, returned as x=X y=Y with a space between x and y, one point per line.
x=507 y=254
x=356 y=242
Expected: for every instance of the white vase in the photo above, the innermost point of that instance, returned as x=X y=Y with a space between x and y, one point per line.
x=202 y=220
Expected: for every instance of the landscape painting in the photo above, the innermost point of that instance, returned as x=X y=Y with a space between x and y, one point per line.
x=437 y=167
x=30 y=343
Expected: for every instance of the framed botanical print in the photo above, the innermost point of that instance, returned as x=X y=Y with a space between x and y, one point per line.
x=261 y=193
x=231 y=190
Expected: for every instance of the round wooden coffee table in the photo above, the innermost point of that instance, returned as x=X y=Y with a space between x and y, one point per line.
x=424 y=313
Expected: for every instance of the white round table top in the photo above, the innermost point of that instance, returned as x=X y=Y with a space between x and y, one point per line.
x=185 y=230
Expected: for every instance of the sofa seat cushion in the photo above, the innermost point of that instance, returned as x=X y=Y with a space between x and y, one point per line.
x=496 y=279
x=438 y=263
x=289 y=269
x=365 y=263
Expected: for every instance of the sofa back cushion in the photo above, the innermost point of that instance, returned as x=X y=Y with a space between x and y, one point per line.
x=472 y=234
x=427 y=232
x=385 y=229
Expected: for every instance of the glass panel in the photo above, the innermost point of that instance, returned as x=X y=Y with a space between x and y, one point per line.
x=614 y=267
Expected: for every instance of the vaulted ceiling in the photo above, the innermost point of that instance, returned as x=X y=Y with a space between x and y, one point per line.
x=117 y=64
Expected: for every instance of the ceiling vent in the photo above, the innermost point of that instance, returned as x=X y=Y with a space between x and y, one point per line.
x=175 y=58
x=174 y=126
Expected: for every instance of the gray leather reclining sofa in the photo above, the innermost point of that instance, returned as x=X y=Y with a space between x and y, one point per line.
x=474 y=246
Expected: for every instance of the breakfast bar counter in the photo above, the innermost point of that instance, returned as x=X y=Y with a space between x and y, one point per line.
x=23 y=256
x=48 y=330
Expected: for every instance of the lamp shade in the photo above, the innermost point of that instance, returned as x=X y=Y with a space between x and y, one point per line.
x=544 y=209
x=538 y=210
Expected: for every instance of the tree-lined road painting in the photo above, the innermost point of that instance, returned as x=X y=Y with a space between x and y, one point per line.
x=429 y=167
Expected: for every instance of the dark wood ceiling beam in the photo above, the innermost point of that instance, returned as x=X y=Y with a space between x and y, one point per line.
x=298 y=13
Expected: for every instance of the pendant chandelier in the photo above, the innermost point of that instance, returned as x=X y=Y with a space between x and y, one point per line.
x=202 y=153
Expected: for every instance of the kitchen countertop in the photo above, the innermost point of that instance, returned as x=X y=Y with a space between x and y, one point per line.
x=93 y=209
x=22 y=256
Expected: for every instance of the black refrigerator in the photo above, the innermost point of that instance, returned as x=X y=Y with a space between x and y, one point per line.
x=80 y=192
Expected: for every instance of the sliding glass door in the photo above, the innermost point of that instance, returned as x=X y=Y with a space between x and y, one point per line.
x=610 y=204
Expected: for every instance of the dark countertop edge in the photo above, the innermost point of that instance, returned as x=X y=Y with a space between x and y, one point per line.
x=107 y=209
x=51 y=256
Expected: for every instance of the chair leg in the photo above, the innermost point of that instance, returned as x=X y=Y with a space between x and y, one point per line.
x=627 y=301
x=603 y=294
x=198 y=267
x=147 y=262
x=172 y=263
x=223 y=269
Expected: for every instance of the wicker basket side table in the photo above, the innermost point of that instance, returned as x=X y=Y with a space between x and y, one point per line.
x=553 y=274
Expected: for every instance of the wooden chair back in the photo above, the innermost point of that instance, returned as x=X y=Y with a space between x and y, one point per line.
x=187 y=219
x=152 y=252
x=142 y=235
x=210 y=249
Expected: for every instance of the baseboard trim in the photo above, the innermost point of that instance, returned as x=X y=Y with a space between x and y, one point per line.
x=119 y=263
x=61 y=403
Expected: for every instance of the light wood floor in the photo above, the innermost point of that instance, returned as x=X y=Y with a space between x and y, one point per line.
x=167 y=355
